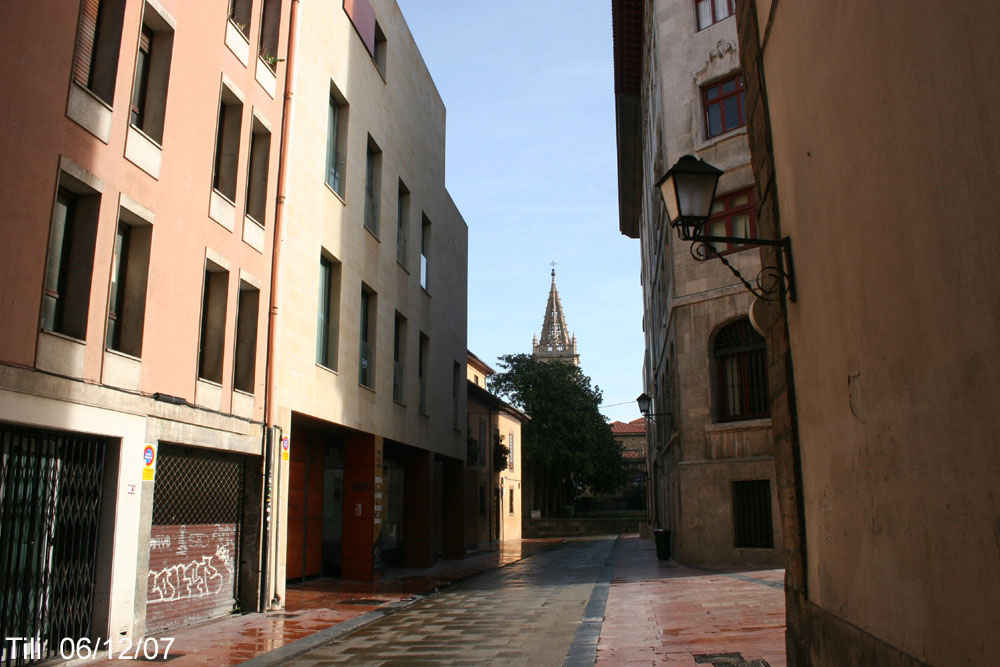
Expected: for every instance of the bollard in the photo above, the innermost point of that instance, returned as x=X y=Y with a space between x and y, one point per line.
x=662 y=538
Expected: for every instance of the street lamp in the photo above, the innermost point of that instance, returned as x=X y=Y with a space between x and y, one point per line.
x=644 y=402
x=688 y=190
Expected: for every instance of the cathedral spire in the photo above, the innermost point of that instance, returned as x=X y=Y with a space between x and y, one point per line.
x=555 y=341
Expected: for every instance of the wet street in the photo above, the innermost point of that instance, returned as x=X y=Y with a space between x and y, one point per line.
x=527 y=612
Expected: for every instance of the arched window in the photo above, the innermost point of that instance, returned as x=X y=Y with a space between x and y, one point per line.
x=741 y=369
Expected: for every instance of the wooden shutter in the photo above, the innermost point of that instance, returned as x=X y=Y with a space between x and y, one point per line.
x=86 y=39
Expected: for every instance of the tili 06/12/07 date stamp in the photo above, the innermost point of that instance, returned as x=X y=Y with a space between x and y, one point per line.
x=146 y=648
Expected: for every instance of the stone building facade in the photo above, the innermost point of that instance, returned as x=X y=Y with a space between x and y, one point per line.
x=885 y=373
x=140 y=166
x=370 y=338
x=679 y=90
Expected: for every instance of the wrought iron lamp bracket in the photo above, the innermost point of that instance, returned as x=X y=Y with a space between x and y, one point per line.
x=771 y=283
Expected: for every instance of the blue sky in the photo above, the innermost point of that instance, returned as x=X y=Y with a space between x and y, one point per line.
x=528 y=89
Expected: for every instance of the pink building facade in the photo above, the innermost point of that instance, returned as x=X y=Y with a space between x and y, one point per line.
x=141 y=145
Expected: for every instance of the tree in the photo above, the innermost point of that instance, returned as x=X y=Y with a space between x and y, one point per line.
x=567 y=443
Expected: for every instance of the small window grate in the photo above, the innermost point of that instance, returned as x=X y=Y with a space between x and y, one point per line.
x=197 y=487
x=752 y=514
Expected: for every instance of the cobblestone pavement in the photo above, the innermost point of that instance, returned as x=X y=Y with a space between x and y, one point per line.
x=525 y=613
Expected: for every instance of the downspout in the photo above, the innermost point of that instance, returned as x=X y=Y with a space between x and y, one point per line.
x=270 y=405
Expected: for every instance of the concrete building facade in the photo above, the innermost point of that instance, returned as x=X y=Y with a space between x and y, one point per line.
x=370 y=342
x=141 y=145
x=679 y=91
x=880 y=166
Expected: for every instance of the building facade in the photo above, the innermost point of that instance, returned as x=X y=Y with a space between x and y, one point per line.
x=679 y=90
x=632 y=437
x=881 y=168
x=493 y=490
x=370 y=338
x=141 y=144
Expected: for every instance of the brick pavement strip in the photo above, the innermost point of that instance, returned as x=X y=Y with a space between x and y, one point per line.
x=527 y=612
x=660 y=613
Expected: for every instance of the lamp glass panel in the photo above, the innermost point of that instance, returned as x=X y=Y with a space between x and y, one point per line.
x=694 y=194
x=669 y=194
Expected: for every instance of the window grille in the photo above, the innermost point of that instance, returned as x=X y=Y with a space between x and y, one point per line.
x=741 y=367
x=752 y=514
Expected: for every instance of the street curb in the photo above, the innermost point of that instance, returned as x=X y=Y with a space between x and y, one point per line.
x=583 y=648
x=283 y=654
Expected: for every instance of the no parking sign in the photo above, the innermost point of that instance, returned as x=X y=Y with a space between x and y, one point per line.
x=284 y=448
x=149 y=463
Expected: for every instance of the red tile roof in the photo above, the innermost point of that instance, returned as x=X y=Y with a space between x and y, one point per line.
x=633 y=427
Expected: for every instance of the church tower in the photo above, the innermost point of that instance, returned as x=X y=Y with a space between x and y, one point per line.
x=556 y=342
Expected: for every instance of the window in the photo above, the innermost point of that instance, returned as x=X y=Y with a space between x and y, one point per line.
x=227 y=144
x=713 y=11
x=723 y=104
x=70 y=266
x=732 y=215
x=423 y=353
x=247 y=310
x=98 y=40
x=482 y=444
x=129 y=275
x=260 y=156
x=336 y=142
x=240 y=12
x=752 y=514
x=402 y=222
x=510 y=494
x=425 y=248
x=381 y=49
x=366 y=367
x=328 y=313
x=741 y=369
x=510 y=454
x=152 y=74
x=398 y=357
x=269 y=26
x=373 y=182
x=213 y=322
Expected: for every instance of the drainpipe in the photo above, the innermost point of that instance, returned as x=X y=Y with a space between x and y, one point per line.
x=270 y=407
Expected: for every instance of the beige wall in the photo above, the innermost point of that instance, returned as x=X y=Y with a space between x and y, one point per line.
x=510 y=478
x=405 y=116
x=885 y=136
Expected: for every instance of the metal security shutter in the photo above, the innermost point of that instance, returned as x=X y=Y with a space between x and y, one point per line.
x=194 y=542
x=50 y=507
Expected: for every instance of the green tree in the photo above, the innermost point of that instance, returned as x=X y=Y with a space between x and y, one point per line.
x=567 y=444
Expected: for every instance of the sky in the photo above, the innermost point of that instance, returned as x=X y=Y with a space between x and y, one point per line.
x=531 y=164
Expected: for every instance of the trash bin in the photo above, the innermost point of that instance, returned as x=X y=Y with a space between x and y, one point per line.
x=662 y=538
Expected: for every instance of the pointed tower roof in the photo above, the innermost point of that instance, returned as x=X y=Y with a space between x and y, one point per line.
x=555 y=341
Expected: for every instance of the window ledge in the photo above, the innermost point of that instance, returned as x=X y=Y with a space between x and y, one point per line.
x=402 y=266
x=745 y=425
x=72 y=339
x=89 y=111
x=399 y=403
x=238 y=43
x=711 y=142
x=212 y=383
x=327 y=369
x=119 y=353
x=374 y=234
x=364 y=386
x=335 y=193
x=424 y=290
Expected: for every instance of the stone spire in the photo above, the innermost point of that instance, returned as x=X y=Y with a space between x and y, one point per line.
x=555 y=341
